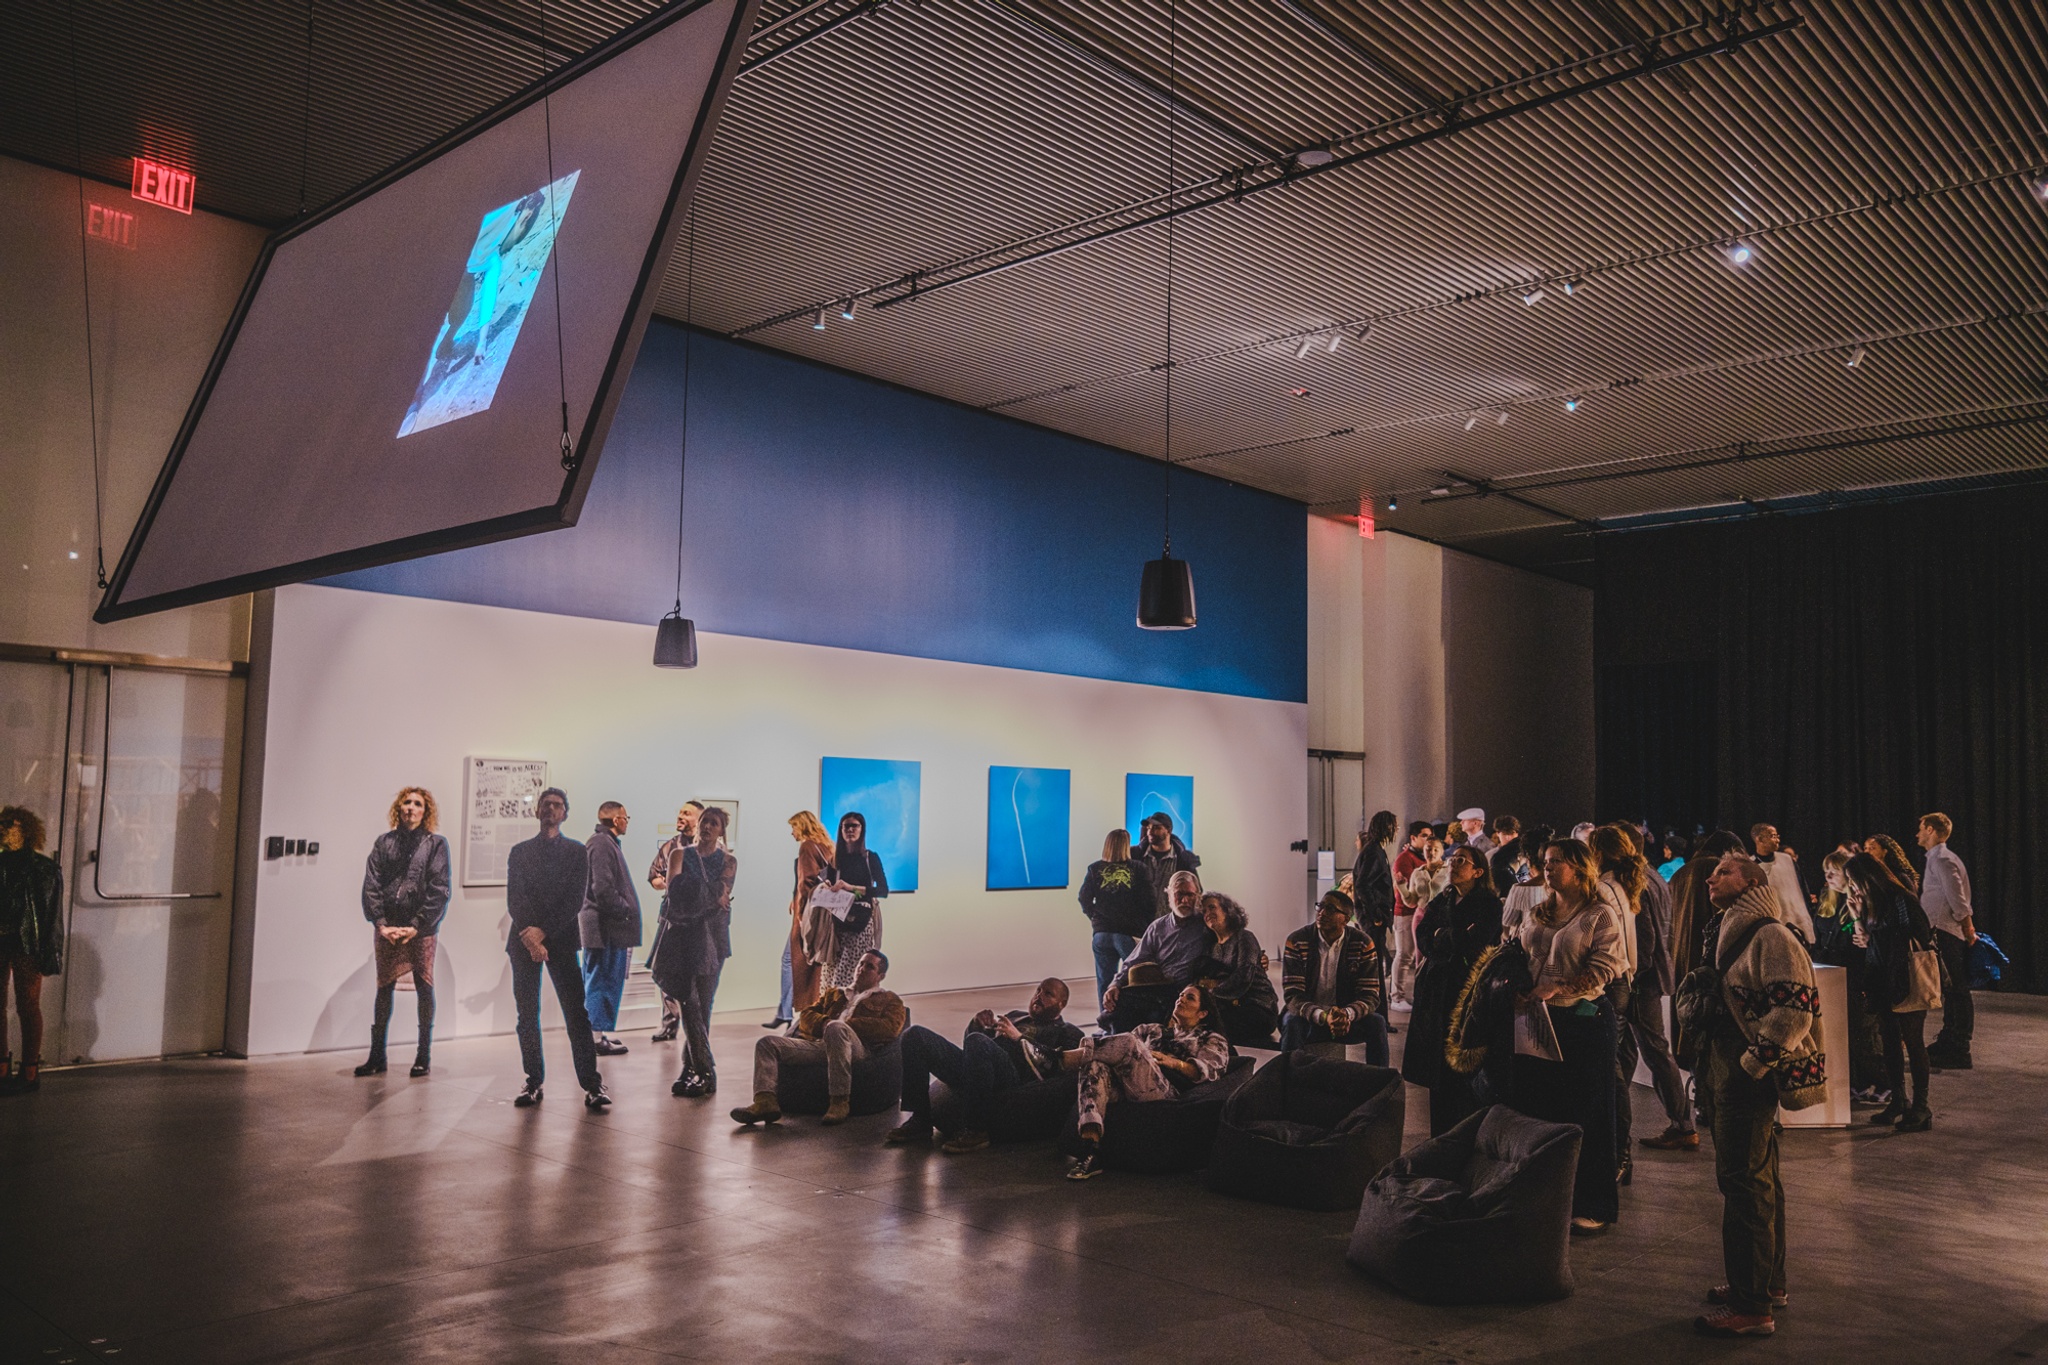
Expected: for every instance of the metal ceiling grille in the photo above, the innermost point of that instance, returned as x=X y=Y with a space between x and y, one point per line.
x=1369 y=191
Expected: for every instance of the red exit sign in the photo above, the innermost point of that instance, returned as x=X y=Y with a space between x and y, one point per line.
x=110 y=225
x=165 y=185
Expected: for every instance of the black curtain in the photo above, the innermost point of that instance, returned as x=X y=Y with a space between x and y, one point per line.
x=1656 y=743
x=1872 y=664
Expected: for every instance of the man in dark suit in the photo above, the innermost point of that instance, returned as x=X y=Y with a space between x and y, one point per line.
x=544 y=884
x=1330 y=977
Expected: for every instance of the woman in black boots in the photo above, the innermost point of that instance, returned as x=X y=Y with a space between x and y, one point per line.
x=405 y=894
x=1891 y=925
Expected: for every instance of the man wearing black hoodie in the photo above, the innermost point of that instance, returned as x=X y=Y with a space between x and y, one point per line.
x=1163 y=854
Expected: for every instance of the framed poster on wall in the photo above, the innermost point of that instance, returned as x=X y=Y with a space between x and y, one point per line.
x=1028 y=819
x=1145 y=793
x=887 y=793
x=497 y=812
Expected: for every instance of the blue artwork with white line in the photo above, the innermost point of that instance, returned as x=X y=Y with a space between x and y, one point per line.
x=887 y=793
x=1146 y=793
x=1029 y=814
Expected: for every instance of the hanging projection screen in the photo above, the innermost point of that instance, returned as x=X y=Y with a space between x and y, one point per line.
x=392 y=381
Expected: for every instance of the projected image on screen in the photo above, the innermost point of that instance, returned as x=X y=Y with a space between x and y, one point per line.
x=372 y=398
x=498 y=282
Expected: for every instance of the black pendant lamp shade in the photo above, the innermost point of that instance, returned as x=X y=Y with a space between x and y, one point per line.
x=1166 y=595
x=675 y=641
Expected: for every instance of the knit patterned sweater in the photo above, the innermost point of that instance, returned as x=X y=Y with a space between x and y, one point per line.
x=1771 y=993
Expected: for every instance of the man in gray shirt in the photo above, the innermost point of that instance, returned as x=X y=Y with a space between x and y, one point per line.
x=1945 y=896
x=1164 y=961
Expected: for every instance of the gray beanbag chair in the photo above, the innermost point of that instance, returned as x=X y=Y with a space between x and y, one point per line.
x=877 y=1083
x=1309 y=1132
x=1023 y=1113
x=1479 y=1215
x=1163 y=1135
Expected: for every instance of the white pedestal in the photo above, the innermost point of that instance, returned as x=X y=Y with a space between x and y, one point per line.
x=1834 y=1022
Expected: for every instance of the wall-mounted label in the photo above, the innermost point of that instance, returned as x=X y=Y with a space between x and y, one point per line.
x=1326 y=865
x=165 y=185
x=110 y=225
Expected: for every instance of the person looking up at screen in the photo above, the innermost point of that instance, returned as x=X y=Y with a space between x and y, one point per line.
x=1162 y=854
x=545 y=879
x=609 y=926
x=657 y=877
x=1167 y=956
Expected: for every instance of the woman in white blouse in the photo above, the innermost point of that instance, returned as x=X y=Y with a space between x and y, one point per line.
x=1577 y=947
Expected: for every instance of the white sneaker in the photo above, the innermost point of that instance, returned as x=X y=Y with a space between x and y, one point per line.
x=1401 y=1007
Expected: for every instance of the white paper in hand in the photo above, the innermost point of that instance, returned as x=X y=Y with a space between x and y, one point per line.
x=1534 y=1037
x=836 y=902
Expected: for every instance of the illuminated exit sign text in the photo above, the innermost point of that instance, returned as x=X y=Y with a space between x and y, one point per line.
x=165 y=185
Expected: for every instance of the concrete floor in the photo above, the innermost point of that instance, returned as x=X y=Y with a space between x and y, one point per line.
x=276 y=1210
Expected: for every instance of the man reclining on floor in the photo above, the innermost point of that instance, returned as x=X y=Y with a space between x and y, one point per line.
x=996 y=1053
x=839 y=1030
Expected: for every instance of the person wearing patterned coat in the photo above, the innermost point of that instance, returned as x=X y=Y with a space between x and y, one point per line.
x=1151 y=1062
x=1768 y=1037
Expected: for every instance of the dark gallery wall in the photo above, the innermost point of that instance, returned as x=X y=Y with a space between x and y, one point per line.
x=1518 y=684
x=829 y=509
x=1840 y=674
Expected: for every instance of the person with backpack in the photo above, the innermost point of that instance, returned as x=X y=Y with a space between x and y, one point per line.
x=1761 y=1048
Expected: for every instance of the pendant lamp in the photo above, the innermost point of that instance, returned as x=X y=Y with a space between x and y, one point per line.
x=1166 y=591
x=675 y=637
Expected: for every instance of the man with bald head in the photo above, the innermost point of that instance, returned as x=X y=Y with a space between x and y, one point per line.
x=997 y=1052
x=1766 y=1036
x=1145 y=987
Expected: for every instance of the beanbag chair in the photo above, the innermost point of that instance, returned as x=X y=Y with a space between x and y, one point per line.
x=1162 y=1135
x=877 y=1083
x=1023 y=1113
x=1309 y=1132
x=1479 y=1215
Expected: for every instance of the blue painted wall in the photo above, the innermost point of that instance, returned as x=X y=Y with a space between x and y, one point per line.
x=833 y=510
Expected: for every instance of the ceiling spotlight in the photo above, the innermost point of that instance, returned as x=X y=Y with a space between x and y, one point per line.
x=1571 y=404
x=1472 y=421
x=1740 y=254
x=1532 y=298
x=818 y=325
x=1336 y=340
x=2038 y=187
x=1855 y=360
x=1299 y=393
x=846 y=309
x=1307 y=344
x=1308 y=158
x=1500 y=419
x=1440 y=491
x=1572 y=287
x=1393 y=502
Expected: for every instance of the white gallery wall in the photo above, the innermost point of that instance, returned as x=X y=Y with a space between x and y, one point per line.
x=366 y=692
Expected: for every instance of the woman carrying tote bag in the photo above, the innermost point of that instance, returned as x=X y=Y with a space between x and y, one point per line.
x=1902 y=982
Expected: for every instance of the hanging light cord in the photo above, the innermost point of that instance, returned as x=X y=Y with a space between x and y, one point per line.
x=99 y=537
x=306 y=119
x=683 y=457
x=1172 y=87
x=547 y=80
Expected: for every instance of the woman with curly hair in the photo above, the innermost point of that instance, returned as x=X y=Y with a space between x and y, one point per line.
x=405 y=894
x=1886 y=850
x=1247 y=1007
x=1576 y=951
x=31 y=939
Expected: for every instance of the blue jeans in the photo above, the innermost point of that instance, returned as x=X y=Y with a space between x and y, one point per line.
x=787 y=1009
x=604 y=984
x=977 y=1072
x=1110 y=951
x=1296 y=1030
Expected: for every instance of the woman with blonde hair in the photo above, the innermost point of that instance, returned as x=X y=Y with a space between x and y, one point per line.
x=405 y=894
x=1117 y=897
x=1576 y=951
x=799 y=966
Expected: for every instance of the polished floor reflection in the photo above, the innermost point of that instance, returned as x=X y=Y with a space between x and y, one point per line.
x=281 y=1210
